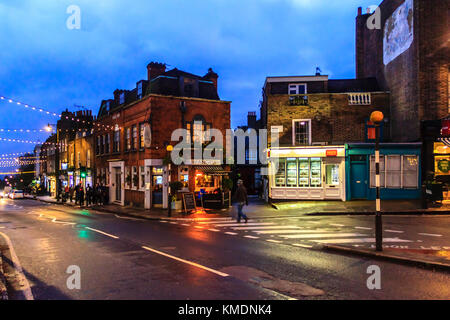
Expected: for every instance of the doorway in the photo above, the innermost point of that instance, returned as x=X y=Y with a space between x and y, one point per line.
x=358 y=179
x=118 y=182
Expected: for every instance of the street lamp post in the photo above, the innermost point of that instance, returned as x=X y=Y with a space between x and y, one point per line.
x=376 y=118
x=49 y=128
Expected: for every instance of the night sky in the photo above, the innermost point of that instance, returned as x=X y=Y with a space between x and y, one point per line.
x=45 y=64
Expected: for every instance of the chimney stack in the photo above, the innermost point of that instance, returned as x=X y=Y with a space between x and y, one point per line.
x=155 y=69
x=251 y=120
x=359 y=11
x=212 y=76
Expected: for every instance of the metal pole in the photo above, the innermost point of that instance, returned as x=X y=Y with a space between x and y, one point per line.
x=378 y=222
x=57 y=163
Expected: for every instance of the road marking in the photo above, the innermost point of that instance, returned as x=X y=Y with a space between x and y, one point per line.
x=394 y=231
x=266 y=227
x=128 y=218
x=198 y=227
x=240 y=224
x=222 y=274
x=231 y=233
x=251 y=237
x=274 y=241
x=363 y=228
x=62 y=222
x=430 y=234
x=336 y=225
x=106 y=234
x=302 y=245
x=173 y=222
x=163 y=221
x=360 y=240
x=229 y=218
x=23 y=282
x=289 y=231
x=185 y=224
x=323 y=235
x=2 y=227
x=214 y=230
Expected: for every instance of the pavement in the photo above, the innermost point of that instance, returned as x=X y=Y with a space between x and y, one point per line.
x=435 y=255
x=123 y=257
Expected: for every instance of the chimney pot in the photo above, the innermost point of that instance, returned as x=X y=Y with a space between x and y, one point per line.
x=359 y=11
x=155 y=69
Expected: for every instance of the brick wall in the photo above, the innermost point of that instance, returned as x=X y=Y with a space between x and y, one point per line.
x=418 y=78
x=333 y=120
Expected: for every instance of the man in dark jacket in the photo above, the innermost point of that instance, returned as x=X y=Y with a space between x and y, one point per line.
x=241 y=199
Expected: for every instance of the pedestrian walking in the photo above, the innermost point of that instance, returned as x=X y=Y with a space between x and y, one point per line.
x=240 y=196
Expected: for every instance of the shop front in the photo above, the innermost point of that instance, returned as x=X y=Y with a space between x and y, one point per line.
x=308 y=173
x=400 y=171
x=441 y=155
x=208 y=186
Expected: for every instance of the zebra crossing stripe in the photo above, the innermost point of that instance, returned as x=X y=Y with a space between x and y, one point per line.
x=266 y=228
x=302 y=245
x=289 y=231
x=360 y=240
x=251 y=237
x=323 y=235
x=240 y=224
x=274 y=241
x=231 y=233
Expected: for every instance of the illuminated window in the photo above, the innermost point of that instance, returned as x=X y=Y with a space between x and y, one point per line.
x=301 y=132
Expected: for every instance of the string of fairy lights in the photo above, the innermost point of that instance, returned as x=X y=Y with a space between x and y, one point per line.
x=51 y=113
x=48 y=145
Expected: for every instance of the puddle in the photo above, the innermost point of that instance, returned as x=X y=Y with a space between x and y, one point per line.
x=265 y=280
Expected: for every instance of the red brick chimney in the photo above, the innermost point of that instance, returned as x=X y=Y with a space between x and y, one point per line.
x=155 y=69
x=359 y=11
x=212 y=76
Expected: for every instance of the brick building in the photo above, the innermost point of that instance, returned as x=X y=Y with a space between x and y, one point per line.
x=315 y=118
x=325 y=145
x=409 y=55
x=131 y=155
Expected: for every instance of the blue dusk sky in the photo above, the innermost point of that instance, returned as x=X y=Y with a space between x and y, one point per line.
x=43 y=63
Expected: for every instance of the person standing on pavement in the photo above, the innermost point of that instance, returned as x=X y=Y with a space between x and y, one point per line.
x=81 y=190
x=88 y=195
x=240 y=196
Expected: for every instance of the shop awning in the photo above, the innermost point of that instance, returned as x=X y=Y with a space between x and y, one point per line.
x=213 y=170
x=445 y=141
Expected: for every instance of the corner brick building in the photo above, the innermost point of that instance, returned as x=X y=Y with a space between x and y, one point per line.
x=131 y=156
x=336 y=111
x=409 y=55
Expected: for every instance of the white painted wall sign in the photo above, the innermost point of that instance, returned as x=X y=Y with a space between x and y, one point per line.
x=398 y=32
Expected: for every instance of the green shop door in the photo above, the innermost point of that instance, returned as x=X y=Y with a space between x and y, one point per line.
x=359 y=180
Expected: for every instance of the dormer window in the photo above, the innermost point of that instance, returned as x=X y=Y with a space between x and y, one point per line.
x=299 y=88
x=122 y=98
x=139 y=90
x=107 y=104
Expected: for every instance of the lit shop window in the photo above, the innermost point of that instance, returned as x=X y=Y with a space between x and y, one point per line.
x=299 y=172
x=396 y=171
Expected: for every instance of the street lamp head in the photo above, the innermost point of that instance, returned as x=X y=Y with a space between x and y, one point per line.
x=48 y=128
x=376 y=117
